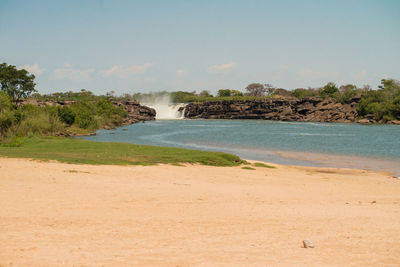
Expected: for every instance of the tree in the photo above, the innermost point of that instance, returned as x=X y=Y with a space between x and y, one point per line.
x=258 y=89
x=282 y=92
x=347 y=87
x=205 y=93
x=236 y=93
x=224 y=92
x=329 y=90
x=16 y=83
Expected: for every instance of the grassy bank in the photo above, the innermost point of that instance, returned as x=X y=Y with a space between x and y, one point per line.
x=71 y=150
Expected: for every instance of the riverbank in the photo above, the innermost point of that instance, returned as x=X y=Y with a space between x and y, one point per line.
x=54 y=214
x=312 y=109
x=347 y=145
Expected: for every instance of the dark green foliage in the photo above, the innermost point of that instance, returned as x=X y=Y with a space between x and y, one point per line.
x=66 y=115
x=347 y=93
x=84 y=115
x=111 y=115
x=384 y=103
x=301 y=93
x=17 y=84
x=329 y=90
x=224 y=92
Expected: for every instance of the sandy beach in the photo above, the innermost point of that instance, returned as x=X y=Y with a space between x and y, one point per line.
x=55 y=214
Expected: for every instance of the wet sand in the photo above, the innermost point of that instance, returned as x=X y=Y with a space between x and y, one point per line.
x=55 y=214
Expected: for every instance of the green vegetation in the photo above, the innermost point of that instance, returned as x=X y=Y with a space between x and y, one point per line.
x=82 y=95
x=248 y=168
x=72 y=150
x=85 y=113
x=79 y=118
x=263 y=165
x=384 y=103
x=301 y=93
x=17 y=84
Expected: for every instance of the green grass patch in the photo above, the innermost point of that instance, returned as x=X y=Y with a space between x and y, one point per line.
x=248 y=168
x=263 y=165
x=79 y=151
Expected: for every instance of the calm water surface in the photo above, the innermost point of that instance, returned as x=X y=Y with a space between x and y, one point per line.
x=375 y=147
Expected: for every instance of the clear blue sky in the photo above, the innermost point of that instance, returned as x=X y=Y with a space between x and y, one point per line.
x=141 y=46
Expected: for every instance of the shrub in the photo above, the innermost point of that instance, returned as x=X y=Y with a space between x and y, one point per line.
x=301 y=93
x=382 y=104
x=66 y=115
x=224 y=92
x=329 y=90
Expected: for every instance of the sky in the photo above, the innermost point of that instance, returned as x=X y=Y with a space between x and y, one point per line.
x=143 y=46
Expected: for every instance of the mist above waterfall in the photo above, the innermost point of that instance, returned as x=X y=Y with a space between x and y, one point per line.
x=166 y=110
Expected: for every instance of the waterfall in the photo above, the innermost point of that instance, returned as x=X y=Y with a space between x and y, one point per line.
x=165 y=110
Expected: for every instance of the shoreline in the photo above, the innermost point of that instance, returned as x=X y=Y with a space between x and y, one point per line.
x=92 y=215
x=285 y=157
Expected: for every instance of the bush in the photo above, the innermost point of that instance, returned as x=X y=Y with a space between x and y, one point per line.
x=224 y=92
x=383 y=104
x=5 y=101
x=329 y=90
x=301 y=93
x=66 y=115
x=84 y=115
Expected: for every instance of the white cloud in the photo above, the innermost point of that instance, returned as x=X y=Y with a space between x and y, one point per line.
x=222 y=68
x=34 y=69
x=114 y=70
x=180 y=72
x=72 y=74
x=360 y=74
x=124 y=72
x=137 y=69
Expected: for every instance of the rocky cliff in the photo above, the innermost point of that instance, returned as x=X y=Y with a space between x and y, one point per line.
x=136 y=112
x=282 y=109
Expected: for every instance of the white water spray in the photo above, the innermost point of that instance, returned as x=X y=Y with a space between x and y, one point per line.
x=165 y=109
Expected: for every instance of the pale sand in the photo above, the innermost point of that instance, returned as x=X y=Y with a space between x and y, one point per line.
x=55 y=214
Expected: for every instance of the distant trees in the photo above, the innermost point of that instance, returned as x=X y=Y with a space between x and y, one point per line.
x=382 y=104
x=282 y=92
x=259 y=89
x=16 y=83
x=302 y=93
x=205 y=93
x=229 y=92
x=256 y=89
x=329 y=90
x=224 y=92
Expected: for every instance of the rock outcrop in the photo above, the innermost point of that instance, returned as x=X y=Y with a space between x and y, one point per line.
x=136 y=112
x=281 y=109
